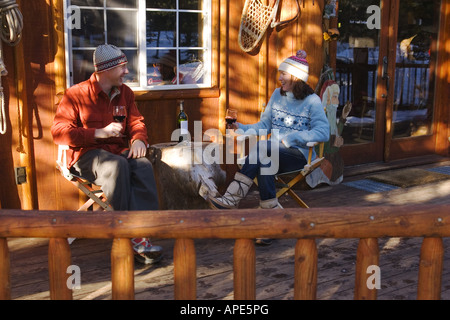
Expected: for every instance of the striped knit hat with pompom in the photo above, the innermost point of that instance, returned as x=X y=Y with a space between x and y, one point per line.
x=107 y=56
x=296 y=66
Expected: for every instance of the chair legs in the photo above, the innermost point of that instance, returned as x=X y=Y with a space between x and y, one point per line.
x=94 y=196
x=288 y=189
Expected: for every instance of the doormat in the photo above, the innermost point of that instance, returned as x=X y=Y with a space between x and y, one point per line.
x=370 y=185
x=443 y=169
x=408 y=177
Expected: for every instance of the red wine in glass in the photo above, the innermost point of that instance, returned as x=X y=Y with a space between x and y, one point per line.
x=119 y=113
x=230 y=121
x=231 y=117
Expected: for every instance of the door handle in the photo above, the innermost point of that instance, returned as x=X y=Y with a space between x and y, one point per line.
x=384 y=72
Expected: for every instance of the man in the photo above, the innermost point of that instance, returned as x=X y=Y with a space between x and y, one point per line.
x=108 y=153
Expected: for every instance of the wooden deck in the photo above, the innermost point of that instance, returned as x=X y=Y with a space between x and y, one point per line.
x=399 y=257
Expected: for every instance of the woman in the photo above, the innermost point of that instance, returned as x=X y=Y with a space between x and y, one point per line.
x=294 y=116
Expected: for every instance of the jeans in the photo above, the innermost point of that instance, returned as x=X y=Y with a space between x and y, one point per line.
x=260 y=158
x=128 y=184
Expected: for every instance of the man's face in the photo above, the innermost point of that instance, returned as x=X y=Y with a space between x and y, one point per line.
x=116 y=75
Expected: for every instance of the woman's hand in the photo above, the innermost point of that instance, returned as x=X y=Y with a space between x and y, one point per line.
x=232 y=126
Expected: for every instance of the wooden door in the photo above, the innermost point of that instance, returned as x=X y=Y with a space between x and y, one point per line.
x=385 y=65
x=411 y=103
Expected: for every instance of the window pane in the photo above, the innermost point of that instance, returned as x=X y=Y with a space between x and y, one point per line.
x=190 y=29
x=414 y=77
x=122 y=28
x=161 y=4
x=356 y=70
x=161 y=66
x=82 y=65
x=90 y=3
x=133 y=67
x=122 y=3
x=191 y=67
x=190 y=4
x=161 y=29
x=91 y=32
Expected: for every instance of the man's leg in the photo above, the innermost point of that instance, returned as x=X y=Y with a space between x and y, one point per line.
x=143 y=196
x=120 y=178
x=109 y=171
x=143 y=192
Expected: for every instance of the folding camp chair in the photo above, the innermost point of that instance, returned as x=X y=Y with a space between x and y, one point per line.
x=94 y=193
x=300 y=175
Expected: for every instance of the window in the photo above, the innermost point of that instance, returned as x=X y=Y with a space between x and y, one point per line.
x=167 y=42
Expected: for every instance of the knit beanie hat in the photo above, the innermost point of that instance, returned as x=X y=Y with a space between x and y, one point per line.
x=296 y=66
x=107 y=56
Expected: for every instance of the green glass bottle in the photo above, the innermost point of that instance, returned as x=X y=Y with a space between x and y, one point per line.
x=182 y=123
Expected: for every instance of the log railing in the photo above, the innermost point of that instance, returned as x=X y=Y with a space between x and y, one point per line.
x=432 y=222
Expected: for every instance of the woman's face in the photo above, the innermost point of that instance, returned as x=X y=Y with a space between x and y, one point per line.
x=287 y=82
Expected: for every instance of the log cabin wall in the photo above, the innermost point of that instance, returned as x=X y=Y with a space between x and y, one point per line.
x=36 y=74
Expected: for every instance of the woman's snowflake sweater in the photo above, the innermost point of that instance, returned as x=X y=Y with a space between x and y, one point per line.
x=295 y=122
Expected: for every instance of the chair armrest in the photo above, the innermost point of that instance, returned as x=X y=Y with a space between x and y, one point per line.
x=61 y=161
x=312 y=144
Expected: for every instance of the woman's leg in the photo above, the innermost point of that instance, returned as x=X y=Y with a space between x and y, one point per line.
x=285 y=160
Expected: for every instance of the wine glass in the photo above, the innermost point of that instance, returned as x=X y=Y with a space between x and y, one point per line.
x=119 y=113
x=231 y=117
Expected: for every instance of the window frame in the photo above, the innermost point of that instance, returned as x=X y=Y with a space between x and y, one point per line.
x=210 y=15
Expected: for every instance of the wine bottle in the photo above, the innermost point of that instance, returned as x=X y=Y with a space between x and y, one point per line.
x=182 y=122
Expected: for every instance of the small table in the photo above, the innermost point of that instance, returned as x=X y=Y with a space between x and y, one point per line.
x=186 y=173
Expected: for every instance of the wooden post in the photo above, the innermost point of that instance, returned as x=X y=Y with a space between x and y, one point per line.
x=59 y=259
x=5 y=275
x=430 y=269
x=305 y=272
x=367 y=255
x=185 y=268
x=244 y=270
x=122 y=269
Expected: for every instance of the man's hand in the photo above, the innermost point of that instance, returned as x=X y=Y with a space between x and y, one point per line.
x=138 y=149
x=113 y=129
